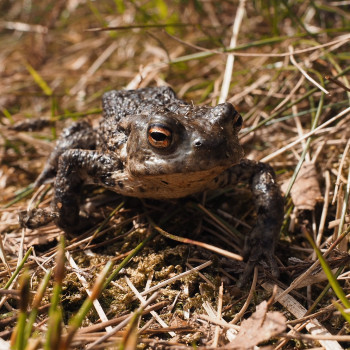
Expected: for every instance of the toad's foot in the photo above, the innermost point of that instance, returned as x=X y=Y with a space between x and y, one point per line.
x=258 y=248
x=35 y=218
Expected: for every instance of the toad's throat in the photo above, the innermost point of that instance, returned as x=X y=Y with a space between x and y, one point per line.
x=165 y=186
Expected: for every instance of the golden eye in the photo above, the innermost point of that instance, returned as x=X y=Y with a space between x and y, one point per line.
x=159 y=136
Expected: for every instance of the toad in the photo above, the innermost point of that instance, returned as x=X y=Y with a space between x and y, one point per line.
x=150 y=144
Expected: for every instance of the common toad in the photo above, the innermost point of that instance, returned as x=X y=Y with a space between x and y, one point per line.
x=151 y=144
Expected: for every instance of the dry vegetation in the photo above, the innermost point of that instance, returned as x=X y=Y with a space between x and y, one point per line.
x=52 y=65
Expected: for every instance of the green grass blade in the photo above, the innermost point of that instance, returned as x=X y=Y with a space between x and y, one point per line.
x=331 y=278
x=18 y=269
x=39 y=80
x=342 y=311
x=22 y=194
x=53 y=334
x=36 y=303
x=323 y=293
x=24 y=287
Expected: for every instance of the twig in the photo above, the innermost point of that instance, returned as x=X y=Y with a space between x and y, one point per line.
x=94 y=67
x=297 y=281
x=218 y=316
x=175 y=278
x=310 y=133
x=230 y=58
x=324 y=209
x=223 y=252
x=341 y=164
x=85 y=284
x=249 y=298
x=342 y=40
x=121 y=324
x=287 y=98
x=143 y=303
x=303 y=72
x=313 y=326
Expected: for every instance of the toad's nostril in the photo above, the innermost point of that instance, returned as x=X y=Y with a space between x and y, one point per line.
x=198 y=143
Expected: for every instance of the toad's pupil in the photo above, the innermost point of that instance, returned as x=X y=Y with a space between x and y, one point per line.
x=158 y=136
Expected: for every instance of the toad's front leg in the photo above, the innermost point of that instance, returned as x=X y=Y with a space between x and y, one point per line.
x=260 y=243
x=75 y=168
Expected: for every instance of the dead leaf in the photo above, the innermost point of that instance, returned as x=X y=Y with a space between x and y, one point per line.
x=306 y=190
x=260 y=326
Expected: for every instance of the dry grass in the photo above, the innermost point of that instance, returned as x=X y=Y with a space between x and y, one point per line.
x=289 y=81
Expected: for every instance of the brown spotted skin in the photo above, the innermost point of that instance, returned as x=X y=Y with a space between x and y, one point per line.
x=151 y=144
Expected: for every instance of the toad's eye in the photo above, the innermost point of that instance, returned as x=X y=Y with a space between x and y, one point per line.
x=238 y=121
x=159 y=136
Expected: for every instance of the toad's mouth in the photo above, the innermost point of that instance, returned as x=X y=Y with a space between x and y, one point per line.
x=180 y=165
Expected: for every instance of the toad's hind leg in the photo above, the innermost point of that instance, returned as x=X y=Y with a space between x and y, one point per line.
x=77 y=167
x=78 y=135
